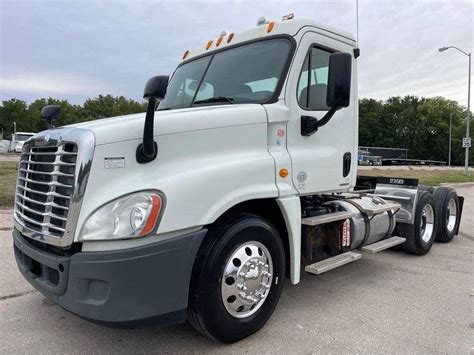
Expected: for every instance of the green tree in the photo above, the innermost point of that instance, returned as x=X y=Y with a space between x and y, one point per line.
x=109 y=106
x=16 y=111
x=420 y=125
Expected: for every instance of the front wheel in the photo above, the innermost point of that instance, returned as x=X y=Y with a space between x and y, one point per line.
x=237 y=278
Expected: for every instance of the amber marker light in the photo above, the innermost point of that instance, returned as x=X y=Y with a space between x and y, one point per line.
x=153 y=217
x=230 y=37
x=219 y=40
x=270 y=27
x=283 y=172
x=209 y=44
x=185 y=54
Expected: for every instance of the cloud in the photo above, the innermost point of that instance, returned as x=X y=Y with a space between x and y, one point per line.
x=52 y=83
x=91 y=47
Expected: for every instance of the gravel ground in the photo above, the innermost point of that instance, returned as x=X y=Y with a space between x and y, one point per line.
x=6 y=218
x=389 y=302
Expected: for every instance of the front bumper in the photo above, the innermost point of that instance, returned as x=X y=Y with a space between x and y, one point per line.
x=146 y=285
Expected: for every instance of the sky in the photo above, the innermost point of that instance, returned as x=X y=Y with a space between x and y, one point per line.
x=79 y=49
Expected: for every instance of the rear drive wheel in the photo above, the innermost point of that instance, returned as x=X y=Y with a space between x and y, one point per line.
x=421 y=234
x=237 y=278
x=430 y=189
x=447 y=213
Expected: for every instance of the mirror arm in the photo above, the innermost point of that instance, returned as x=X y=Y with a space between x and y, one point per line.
x=148 y=150
x=49 y=123
x=310 y=125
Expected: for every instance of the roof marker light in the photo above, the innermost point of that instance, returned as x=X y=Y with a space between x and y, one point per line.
x=209 y=44
x=219 y=40
x=230 y=37
x=185 y=54
x=262 y=21
x=288 y=17
x=270 y=27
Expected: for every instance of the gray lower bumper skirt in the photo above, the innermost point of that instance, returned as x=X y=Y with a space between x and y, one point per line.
x=123 y=288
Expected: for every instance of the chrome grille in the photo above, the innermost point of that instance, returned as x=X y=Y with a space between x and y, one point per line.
x=45 y=187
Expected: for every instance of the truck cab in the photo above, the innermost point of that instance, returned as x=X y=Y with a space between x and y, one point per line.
x=243 y=176
x=18 y=139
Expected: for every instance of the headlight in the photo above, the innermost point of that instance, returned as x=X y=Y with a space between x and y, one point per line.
x=134 y=215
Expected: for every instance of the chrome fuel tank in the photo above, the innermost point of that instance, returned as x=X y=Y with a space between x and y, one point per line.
x=365 y=230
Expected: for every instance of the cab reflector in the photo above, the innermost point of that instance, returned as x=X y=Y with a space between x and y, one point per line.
x=270 y=27
x=209 y=44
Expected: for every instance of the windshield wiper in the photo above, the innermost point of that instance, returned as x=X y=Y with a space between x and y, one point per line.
x=229 y=100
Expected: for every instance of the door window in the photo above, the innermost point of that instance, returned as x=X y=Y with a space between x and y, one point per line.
x=313 y=81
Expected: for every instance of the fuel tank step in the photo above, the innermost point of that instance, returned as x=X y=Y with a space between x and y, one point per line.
x=383 y=244
x=327 y=218
x=332 y=263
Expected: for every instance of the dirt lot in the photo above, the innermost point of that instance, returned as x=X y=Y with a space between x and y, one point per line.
x=9 y=157
x=389 y=302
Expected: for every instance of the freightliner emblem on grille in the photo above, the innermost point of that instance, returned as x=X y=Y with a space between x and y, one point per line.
x=42 y=140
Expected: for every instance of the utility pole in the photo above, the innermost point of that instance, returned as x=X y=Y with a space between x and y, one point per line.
x=468 y=121
x=450 y=130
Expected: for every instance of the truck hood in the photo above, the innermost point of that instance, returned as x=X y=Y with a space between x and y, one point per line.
x=130 y=127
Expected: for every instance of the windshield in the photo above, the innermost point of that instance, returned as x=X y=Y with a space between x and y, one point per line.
x=245 y=74
x=22 y=137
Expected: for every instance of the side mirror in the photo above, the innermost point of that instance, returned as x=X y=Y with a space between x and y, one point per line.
x=338 y=92
x=339 y=80
x=49 y=114
x=155 y=88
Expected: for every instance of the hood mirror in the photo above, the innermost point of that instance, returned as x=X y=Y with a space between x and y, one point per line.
x=49 y=114
x=155 y=89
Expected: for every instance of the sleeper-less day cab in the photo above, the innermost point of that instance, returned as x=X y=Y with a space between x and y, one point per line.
x=246 y=172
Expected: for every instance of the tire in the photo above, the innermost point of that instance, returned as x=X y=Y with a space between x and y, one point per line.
x=430 y=189
x=421 y=234
x=447 y=213
x=214 y=297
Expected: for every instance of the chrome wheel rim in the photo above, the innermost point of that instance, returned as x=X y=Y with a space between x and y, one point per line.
x=247 y=279
x=451 y=215
x=427 y=223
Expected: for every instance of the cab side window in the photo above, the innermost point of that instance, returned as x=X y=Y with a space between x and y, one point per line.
x=312 y=84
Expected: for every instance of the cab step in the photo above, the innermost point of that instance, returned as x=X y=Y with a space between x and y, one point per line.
x=383 y=244
x=332 y=263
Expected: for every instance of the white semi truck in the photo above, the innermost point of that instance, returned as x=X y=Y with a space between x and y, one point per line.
x=245 y=175
x=17 y=141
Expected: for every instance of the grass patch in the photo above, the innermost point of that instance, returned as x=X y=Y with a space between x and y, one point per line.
x=8 y=173
x=425 y=177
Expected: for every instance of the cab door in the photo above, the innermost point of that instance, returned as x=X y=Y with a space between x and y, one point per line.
x=324 y=161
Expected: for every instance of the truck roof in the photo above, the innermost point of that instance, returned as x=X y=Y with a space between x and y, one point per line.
x=270 y=28
x=26 y=133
